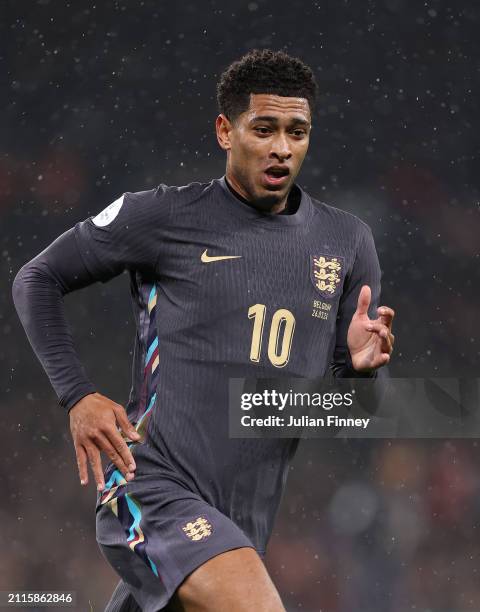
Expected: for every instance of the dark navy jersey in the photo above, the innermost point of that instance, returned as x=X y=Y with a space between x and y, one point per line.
x=219 y=290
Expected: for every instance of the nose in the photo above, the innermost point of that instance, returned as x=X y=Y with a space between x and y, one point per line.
x=281 y=148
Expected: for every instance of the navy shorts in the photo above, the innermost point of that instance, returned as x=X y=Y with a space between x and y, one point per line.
x=154 y=537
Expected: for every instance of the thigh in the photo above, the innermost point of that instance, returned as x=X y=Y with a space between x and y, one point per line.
x=155 y=538
x=236 y=581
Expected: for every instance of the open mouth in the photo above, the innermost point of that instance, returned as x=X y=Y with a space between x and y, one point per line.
x=276 y=175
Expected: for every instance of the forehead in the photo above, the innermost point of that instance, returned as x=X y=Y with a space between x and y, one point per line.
x=277 y=106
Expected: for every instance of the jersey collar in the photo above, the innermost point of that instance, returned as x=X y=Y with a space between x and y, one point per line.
x=302 y=214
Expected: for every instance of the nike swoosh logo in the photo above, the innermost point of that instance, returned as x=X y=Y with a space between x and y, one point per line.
x=208 y=259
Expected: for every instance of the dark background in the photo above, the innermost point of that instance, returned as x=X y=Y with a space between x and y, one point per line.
x=98 y=99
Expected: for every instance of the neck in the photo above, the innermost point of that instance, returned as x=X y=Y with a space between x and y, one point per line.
x=276 y=208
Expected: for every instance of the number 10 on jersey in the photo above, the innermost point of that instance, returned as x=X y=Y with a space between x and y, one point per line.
x=280 y=337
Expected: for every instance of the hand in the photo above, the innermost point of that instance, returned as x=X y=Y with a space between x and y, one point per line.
x=370 y=342
x=93 y=423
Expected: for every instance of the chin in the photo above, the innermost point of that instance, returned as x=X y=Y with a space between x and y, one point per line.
x=275 y=191
x=267 y=199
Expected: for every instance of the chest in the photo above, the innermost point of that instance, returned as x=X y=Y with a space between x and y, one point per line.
x=213 y=272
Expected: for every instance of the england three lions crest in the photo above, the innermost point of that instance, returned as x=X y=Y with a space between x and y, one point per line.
x=326 y=273
x=199 y=529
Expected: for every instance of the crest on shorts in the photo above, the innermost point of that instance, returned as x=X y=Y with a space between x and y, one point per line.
x=326 y=273
x=199 y=529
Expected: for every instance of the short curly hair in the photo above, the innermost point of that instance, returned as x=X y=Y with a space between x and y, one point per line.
x=267 y=72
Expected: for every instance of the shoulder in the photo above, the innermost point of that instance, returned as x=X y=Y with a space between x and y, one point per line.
x=149 y=205
x=341 y=218
x=172 y=193
x=164 y=199
x=345 y=224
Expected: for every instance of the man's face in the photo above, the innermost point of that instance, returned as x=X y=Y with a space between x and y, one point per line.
x=265 y=147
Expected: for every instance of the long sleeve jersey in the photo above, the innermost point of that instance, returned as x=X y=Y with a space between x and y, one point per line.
x=219 y=290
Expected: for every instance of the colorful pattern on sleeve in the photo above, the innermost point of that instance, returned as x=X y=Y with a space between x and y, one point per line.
x=113 y=477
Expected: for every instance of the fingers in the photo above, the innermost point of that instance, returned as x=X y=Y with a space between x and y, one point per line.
x=386 y=315
x=383 y=360
x=93 y=424
x=118 y=455
x=96 y=465
x=364 y=298
x=114 y=447
x=123 y=457
x=82 y=464
x=386 y=337
x=377 y=327
x=124 y=423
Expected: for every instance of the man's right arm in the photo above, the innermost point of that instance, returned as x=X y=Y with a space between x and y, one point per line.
x=38 y=291
x=97 y=249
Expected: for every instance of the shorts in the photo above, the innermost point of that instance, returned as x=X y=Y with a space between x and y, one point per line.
x=155 y=537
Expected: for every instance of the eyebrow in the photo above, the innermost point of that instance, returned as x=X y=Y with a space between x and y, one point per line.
x=296 y=120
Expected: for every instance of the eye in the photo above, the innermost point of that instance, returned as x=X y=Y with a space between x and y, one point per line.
x=299 y=133
x=261 y=129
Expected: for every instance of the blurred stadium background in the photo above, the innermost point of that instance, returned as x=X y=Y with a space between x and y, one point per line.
x=98 y=99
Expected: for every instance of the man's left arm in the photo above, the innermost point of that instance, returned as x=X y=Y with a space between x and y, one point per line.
x=364 y=340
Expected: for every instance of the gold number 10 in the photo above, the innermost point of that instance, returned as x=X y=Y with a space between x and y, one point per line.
x=278 y=351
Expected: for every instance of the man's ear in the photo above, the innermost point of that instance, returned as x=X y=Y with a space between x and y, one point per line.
x=223 y=127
